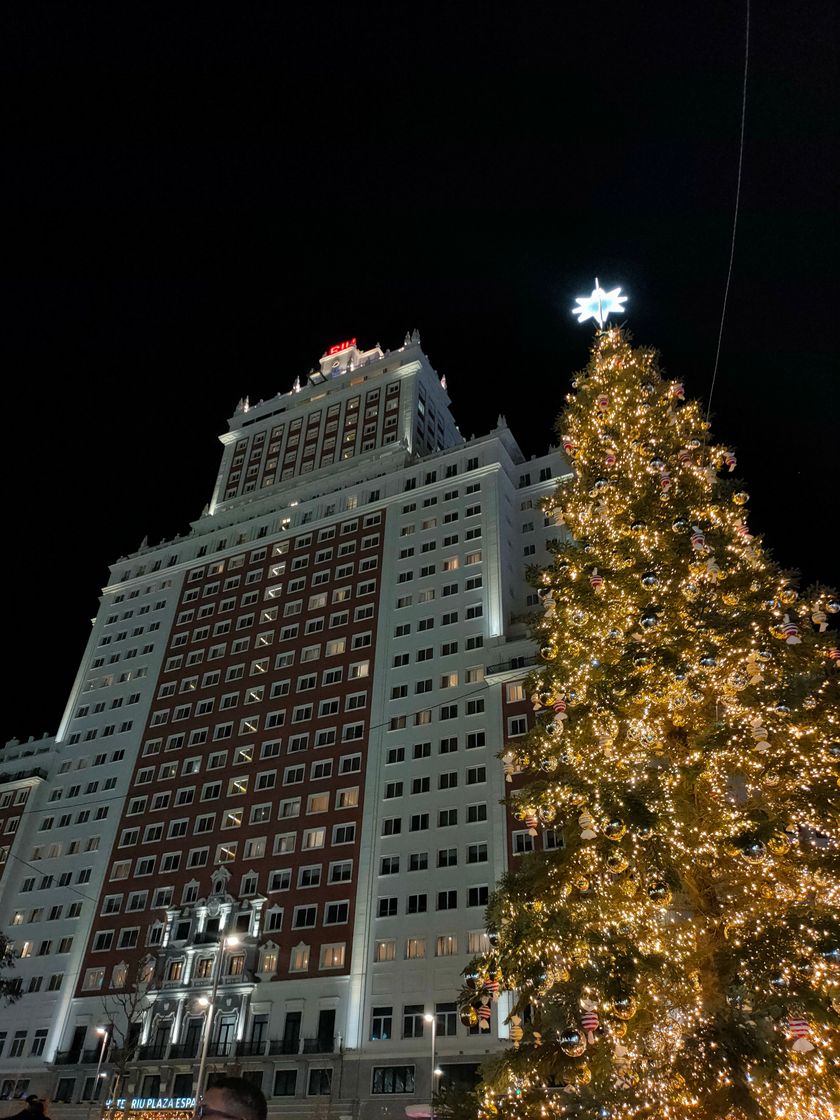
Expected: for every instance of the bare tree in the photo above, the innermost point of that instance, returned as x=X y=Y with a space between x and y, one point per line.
x=10 y=989
x=124 y=1014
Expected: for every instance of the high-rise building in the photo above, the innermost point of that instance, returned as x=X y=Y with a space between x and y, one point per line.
x=277 y=776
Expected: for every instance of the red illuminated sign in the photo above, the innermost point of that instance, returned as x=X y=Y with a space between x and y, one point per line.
x=341 y=346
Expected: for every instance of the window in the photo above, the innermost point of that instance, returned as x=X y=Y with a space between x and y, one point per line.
x=446 y=1018
x=447 y=857
x=387 y=907
x=447 y=900
x=285 y=1083
x=320 y=1080
x=447 y=818
x=416 y=904
x=478 y=941
x=415 y=949
x=103 y=940
x=476 y=813
x=336 y=913
x=516 y=726
x=305 y=917
x=314 y=838
x=418 y=822
x=332 y=956
x=385 y=950
x=446 y=945
x=477 y=896
x=393 y=1079
x=477 y=853
x=93 y=979
x=522 y=842
x=381 y=1023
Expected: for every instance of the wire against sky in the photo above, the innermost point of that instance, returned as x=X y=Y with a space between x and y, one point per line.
x=737 y=206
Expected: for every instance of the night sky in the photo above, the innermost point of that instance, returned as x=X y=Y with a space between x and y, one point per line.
x=199 y=200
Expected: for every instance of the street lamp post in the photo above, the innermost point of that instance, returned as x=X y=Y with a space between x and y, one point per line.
x=432 y=1021
x=94 y=1093
x=224 y=943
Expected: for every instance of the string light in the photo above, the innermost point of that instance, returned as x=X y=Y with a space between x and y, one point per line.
x=686 y=747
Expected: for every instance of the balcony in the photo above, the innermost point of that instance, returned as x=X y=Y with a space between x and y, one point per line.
x=220 y=1049
x=284 y=1046
x=319 y=1046
x=152 y=1053
x=183 y=1050
x=67 y=1057
x=249 y=1048
x=525 y=662
x=22 y=775
x=91 y=1057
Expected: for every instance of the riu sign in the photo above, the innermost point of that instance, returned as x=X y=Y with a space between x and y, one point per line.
x=341 y=346
x=153 y=1104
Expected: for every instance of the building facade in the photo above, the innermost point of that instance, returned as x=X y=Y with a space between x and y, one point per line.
x=277 y=778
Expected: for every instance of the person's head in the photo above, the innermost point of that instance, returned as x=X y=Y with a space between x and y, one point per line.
x=34 y=1105
x=231 y=1098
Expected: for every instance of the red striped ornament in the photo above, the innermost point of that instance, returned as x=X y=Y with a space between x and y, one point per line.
x=791 y=632
x=798 y=1027
x=590 y=1022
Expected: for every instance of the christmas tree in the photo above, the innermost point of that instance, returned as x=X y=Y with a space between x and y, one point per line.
x=671 y=948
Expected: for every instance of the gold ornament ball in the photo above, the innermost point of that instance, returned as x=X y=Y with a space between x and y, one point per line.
x=572 y=1042
x=778 y=844
x=789 y=595
x=583 y=1075
x=617 y=862
x=740 y=498
x=624 y=1007
x=614 y=829
x=660 y=893
x=619 y=1029
x=582 y=883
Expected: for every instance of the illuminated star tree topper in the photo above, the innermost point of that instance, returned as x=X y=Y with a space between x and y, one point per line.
x=599 y=305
